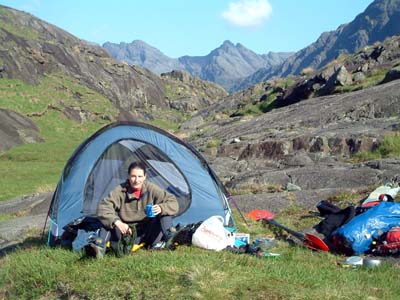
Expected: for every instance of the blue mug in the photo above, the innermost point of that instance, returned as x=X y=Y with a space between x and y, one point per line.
x=149 y=211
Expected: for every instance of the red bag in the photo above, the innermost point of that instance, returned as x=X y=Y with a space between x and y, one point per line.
x=393 y=235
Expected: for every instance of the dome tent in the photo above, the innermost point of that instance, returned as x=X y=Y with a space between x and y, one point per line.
x=101 y=162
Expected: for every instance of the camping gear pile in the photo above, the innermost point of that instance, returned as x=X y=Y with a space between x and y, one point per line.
x=373 y=227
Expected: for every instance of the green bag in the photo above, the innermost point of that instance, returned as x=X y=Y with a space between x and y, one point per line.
x=126 y=243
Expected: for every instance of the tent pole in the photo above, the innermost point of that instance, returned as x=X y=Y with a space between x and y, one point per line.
x=230 y=198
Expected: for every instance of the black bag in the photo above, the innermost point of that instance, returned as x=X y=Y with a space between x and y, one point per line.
x=335 y=219
x=88 y=224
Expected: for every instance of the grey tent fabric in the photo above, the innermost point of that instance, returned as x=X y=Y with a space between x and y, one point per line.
x=101 y=162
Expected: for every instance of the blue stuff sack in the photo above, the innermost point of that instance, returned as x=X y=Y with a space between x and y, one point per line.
x=357 y=235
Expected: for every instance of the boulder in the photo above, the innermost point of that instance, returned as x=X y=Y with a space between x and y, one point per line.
x=393 y=74
x=16 y=129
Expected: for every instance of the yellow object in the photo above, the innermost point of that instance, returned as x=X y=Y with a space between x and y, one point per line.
x=137 y=247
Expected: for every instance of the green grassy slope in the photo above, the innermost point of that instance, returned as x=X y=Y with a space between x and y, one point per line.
x=36 y=167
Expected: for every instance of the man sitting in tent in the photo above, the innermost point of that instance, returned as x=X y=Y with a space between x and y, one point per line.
x=123 y=214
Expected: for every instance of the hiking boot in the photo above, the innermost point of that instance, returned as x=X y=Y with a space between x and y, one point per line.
x=95 y=250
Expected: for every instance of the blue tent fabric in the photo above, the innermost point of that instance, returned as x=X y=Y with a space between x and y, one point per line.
x=100 y=163
x=359 y=232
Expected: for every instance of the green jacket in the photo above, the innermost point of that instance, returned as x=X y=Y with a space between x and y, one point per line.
x=121 y=204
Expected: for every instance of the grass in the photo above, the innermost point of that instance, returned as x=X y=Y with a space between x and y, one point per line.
x=168 y=119
x=213 y=143
x=346 y=198
x=33 y=167
x=38 y=272
x=30 y=168
x=56 y=90
x=255 y=188
x=390 y=147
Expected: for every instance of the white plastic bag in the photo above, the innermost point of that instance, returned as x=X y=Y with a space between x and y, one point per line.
x=212 y=234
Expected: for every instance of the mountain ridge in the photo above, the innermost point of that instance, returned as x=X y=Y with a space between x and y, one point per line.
x=224 y=65
x=378 y=21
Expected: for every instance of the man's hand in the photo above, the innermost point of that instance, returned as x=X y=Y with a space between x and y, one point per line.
x=156 y=209
x=123 y=227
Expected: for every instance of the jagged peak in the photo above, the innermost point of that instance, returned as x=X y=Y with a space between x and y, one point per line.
x=227 y=43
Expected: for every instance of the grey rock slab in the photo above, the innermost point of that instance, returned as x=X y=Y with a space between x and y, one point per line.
x=18 y=229
x=32 y=204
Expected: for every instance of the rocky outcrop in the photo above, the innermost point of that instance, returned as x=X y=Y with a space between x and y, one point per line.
x=329 y=122
x=349 y=72
x=188 y=94
x=16 y=129
x=309 y=144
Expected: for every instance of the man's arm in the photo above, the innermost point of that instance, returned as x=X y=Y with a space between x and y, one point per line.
x=107 y=208
x=166 y=201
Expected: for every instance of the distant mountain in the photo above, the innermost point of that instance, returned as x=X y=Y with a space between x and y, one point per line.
x=229 y=63
x=225 y=65
x=142 y=54
x=381 y=19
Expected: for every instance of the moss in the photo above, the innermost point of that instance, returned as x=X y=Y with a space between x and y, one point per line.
x=214 y=143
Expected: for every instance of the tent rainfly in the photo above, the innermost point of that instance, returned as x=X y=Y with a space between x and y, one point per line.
x=100 y=163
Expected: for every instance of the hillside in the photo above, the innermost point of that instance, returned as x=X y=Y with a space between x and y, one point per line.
x=379 y=20
x=32 y=49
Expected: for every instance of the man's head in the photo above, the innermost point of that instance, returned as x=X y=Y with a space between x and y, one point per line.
x=136 y=174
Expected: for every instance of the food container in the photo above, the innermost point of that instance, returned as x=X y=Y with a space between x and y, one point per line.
x=352 y=261
x=371 y=262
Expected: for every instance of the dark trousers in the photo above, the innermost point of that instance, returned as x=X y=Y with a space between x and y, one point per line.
x=150 y=231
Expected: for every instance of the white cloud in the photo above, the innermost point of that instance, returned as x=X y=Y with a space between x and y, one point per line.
x=247 y=13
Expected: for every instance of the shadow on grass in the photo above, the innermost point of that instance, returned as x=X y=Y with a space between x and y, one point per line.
x=29 y=242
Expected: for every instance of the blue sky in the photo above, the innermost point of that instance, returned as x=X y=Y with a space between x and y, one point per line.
x=196 y=27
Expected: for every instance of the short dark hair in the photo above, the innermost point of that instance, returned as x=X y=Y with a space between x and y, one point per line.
x=137 y=165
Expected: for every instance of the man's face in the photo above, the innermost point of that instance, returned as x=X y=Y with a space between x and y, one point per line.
x=136 y=178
